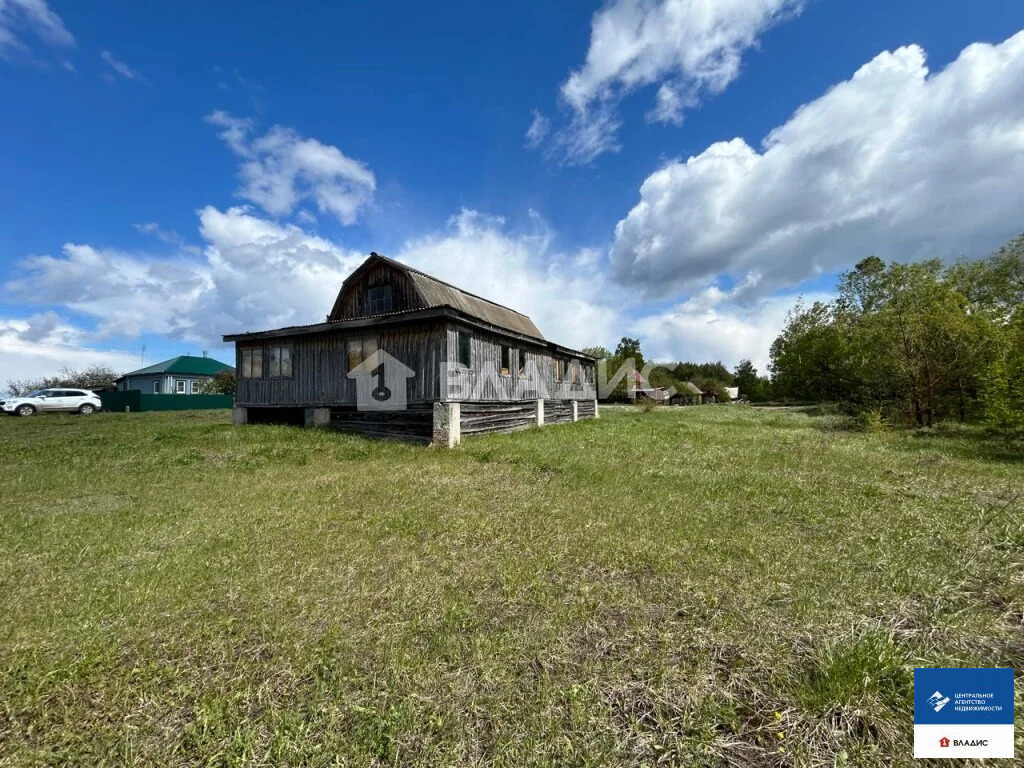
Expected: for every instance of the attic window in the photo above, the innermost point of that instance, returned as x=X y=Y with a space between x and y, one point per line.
x=380 y=299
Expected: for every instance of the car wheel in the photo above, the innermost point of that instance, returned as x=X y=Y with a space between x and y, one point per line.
x=25 y=410
x=87 y=409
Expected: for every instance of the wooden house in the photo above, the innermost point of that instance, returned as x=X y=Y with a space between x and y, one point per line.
x=456 y=363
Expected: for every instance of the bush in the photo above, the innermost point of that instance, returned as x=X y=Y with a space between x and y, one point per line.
x=872 y=421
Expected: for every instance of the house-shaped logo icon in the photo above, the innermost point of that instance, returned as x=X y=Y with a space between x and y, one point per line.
x=943 y=742
x=381 y=383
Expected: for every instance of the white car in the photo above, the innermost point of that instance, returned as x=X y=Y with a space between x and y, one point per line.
x=73 y=400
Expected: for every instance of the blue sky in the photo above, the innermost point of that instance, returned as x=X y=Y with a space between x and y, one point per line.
x=177 y=172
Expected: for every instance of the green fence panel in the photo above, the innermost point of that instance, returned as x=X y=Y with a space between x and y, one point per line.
x=185 y=402
x=118 y=401
x=136 y=401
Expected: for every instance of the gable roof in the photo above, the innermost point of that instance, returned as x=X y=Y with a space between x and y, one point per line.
x=437 y=293
x=197 y=366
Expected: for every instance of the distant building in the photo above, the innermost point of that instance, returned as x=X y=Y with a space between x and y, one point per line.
x=183 y=375
x=688 y=394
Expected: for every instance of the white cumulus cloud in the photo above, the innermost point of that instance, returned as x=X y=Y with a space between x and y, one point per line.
x=563 y=293
x=255 y=273
x=895 y=161
x=43 y=343
x=693 y=48
x=281 y=169
x=712 y=325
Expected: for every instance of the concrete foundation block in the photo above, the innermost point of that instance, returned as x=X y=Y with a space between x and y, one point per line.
x=575 y=410
x=597 y=413
x=447 y=424
x=239 y=416
x=540 y=413
x=318 y=417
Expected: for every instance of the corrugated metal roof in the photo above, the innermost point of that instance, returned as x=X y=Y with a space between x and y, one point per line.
x=198 y=366
x=438 y=293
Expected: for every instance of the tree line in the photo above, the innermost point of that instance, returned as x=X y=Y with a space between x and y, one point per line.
x=709 y=377
x=915 y=342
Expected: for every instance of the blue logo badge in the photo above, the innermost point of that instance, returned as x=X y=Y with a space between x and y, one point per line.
x=961 y=696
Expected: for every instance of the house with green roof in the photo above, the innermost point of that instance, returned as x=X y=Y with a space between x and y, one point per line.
x=182 y=375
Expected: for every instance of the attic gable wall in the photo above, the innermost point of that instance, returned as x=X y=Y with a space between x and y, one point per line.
x=353 y=301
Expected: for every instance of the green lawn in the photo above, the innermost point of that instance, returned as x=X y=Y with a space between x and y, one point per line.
x=699 y=586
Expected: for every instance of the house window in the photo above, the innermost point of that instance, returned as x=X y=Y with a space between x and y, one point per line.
x=156 y=387
x=359 y=350
x=180 y=386
x=195 y=386
x=464 y=348
x=506 y=360
x=380 y=299
x=559 y=369
x=252 y=363
x=279 y=362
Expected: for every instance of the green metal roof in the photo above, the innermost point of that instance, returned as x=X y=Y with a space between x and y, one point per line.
x=197 y=366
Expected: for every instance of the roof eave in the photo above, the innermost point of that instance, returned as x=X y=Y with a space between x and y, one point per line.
x=399 y=318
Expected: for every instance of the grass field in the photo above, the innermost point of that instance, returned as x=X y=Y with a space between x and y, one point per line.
x=699 y=586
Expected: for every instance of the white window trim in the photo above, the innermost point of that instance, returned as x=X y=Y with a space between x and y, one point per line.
x=180 y=387
x=156 y=387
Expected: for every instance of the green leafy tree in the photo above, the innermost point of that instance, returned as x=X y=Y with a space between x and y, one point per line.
x=753 y=387
x=630 y=348
x=222 y=383
x=91 y=377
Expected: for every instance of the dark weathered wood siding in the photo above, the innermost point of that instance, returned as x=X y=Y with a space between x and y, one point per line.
x=319 y=366
x=354 y=300
x=483 y=378
x=414 y=424
x=479 y=418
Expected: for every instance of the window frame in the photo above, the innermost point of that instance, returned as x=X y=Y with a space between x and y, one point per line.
x=362 y=342
x=382 y=301
x=281 y=351
x=157 y=387
x=559 y=369
x=181 y=386
x=254 y=363
x=464 y=343
x=505 y=362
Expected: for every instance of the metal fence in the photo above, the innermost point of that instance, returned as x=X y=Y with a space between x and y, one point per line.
x=135 y=400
